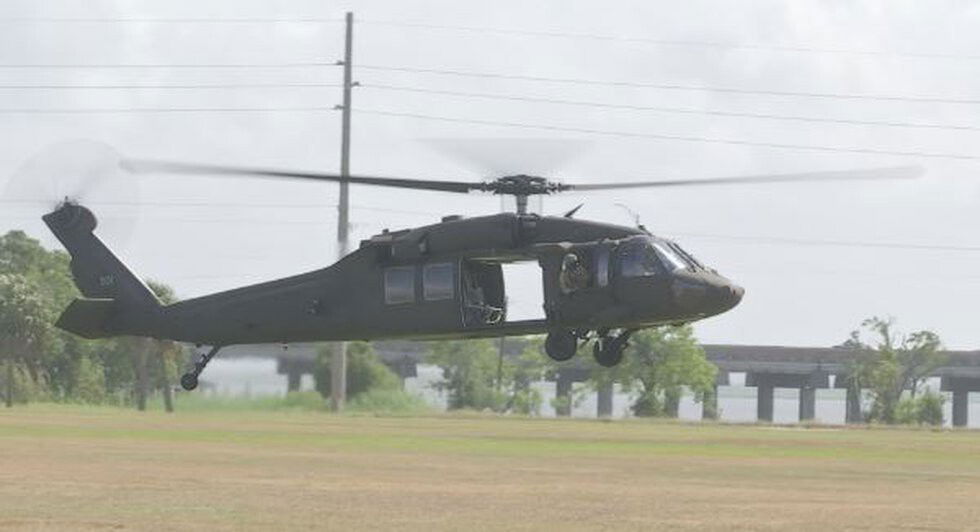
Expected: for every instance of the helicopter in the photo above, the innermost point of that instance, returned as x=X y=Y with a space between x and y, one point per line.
x=601 y=282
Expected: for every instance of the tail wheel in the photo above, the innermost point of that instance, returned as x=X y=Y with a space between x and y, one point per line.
x=561 y=345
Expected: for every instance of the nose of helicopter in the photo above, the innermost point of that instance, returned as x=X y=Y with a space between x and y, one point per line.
x=730 y=295
x=706 y=294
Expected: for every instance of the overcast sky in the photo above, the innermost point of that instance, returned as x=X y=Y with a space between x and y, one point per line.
x=919 y=60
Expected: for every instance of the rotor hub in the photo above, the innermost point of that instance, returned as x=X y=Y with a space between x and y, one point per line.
x=522 y=185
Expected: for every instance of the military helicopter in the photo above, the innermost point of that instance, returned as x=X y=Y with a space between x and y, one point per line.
x=602 y=282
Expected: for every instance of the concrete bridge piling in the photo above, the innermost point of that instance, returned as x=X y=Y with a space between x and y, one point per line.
x=766 y=368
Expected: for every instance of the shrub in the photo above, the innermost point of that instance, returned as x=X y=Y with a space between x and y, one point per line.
x=926 y=409
x=365 y=371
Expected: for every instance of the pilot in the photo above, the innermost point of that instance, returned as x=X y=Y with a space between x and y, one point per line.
x=574 y=275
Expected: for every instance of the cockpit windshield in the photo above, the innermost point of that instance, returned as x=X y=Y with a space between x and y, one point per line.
x=688 y=258
x=638 y=260
x=645 y=257
x=670 y=257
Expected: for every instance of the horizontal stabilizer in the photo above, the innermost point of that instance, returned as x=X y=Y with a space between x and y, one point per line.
x=87 y=317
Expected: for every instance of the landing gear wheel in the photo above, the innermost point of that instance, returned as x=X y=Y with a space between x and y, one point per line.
x=561 y=345
x=188 y=381
x=608 y=352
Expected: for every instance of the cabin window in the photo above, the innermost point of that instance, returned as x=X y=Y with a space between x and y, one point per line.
x=400 y=285
x=439 y=281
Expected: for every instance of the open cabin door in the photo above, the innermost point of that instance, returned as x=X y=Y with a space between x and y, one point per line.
x=577 y=283
x=483 y=300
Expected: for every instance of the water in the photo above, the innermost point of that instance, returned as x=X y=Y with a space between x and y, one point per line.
x=257 y=377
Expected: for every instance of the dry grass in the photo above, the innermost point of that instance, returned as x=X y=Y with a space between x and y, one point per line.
x=74 y=467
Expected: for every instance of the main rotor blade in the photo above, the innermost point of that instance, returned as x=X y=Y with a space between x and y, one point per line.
x=898 y=172
x=149 y=166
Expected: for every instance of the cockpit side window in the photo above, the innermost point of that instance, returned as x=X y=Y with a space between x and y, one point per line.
x=638 y=260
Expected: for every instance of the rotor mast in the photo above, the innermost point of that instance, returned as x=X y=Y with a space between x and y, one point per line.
x=521 y=201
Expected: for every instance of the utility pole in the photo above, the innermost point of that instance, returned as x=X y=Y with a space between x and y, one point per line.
x=338 y=360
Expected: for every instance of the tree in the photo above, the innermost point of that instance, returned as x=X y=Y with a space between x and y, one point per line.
x=365 y=371
x=888 y=364
x=469 y=370
x=474 y=376
x=56 y=363
x=24 y=330
x=659 y=363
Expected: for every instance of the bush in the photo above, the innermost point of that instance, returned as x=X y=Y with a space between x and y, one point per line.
x=365 y=371
x=382 y=401
x=926 y=409
x=527 y=402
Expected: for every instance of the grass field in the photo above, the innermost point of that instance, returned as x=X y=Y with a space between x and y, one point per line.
x=71 y=467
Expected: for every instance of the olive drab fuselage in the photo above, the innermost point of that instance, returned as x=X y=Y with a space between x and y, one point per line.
x=438 y=281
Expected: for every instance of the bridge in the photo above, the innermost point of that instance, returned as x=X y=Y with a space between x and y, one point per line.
x=765 y=367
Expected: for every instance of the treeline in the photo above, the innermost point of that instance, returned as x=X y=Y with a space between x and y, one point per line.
x=43 y=363
x=659 y=366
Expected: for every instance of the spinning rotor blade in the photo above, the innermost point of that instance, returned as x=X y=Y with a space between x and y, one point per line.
x=146 y=166
x=520 y=185
x=898 y=172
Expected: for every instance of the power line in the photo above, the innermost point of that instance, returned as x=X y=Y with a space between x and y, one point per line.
x=711 y=112
x=683 y=138
x=298 y=64
x=114 y=86
x=168 y=20
x=670 y=86
x=465 y=94
x=161 y=110
x=831 y=243
x=718 y=45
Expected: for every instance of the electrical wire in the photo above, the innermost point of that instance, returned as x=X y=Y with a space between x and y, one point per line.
x=297 y=64
x=682 y=138
x=717 y=45
x=167 y=20
x=710 y=112
x=163 y=110
x=669 y=86
x=120 y=86
x=830 y=243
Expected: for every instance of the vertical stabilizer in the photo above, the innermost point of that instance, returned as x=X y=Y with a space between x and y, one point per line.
x=98 y=273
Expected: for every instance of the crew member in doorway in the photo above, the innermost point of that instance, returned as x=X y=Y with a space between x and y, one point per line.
x=574 y=275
